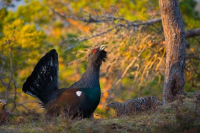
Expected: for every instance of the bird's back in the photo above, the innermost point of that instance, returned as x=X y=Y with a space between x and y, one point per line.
x=141 y=104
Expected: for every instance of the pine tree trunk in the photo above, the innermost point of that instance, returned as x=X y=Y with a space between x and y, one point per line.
x=175 y=49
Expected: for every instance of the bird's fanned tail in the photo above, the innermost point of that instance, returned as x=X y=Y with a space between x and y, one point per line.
x=43 y=81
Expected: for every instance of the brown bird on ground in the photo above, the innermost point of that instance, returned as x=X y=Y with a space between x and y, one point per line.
x=4 y=114
x=133 y=106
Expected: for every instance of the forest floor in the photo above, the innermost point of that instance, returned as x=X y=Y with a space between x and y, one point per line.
x=182 y=116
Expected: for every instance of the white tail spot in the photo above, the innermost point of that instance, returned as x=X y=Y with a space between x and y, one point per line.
x=78 y=93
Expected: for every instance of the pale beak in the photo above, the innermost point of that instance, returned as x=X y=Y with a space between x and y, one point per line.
x=102 y=47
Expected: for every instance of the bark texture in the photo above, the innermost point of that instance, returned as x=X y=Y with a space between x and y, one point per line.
x=175 y=49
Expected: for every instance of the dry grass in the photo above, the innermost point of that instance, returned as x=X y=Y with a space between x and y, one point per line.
x=179 y=116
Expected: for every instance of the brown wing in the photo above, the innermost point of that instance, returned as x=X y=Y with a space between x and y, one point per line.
x=68 y=102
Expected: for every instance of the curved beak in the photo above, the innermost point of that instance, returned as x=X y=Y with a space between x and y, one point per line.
x=102 y=47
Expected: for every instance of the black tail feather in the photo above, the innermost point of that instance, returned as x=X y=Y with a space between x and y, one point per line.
x=43 y=81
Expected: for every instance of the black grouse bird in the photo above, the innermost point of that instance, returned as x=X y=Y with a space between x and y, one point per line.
x=79 y=100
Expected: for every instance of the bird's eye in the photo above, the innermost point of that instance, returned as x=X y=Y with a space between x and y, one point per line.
x=94 y=51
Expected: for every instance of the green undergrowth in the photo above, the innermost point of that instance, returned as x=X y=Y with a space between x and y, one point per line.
x=182 y=115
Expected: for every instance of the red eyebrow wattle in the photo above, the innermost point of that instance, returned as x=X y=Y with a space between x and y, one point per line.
x=94 y=51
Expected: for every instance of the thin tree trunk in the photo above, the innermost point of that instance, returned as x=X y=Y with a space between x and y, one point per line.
x=175 y=49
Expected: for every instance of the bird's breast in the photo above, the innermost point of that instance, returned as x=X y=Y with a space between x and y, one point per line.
x=92 y=99
x=93 y=95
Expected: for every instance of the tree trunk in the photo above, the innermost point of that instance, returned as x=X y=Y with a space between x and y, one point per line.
x=175 y=49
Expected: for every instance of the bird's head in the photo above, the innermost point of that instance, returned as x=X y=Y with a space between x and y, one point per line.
x=114 y=105
x=97 y=55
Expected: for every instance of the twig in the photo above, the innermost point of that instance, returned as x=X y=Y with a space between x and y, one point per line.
x=126 y=70
x=92 y=36
x=101 y=19
x=24 y=107
x=3 y=83
x=148 y=22
x=15 y=95
x=192 y=33
x=107 y=17
x=128 y=67
x=11 y=75
x=188 y=33
x=193 y=56
x=89 y=20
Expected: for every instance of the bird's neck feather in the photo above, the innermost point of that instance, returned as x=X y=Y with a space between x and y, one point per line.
x=92 y=75
x=90 y=78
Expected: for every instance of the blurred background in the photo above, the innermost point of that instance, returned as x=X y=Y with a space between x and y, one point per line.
x=131 y=30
